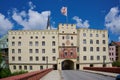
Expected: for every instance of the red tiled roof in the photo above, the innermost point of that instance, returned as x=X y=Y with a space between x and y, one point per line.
x=117 y=43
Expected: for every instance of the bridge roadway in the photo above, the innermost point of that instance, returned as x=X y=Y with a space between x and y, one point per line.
x=74 y=75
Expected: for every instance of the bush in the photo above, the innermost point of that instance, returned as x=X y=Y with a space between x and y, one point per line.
x=116 y=63
x=18 y=72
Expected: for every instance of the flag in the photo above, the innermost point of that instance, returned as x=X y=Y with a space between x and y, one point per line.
x=64 y=11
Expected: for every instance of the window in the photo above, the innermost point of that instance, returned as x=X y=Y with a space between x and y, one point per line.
x=84 y=58
x=13 y=50
x=30 y=43
x=91 y=35
x=65 y=53
x=110 y=54
x=78 y=49
x=103 y=35
x=41 y=67
x=91 y=48
x=13 y=37
x=97 y=48
x=53 y=43
x=30 y=51
x=13 y=43
x=31 y=37
x=97 y=35
x=31 y=58
x=25 y=67
x=104 y=49
x=53 y=51
x=98 y=57
x=36 y=37
x=36 y=50
x=43 y=58
x=104 y=57
x=20 y=67
x=77 y=58
x=103 y=41
x=43 y=37
x=71 y=53
x=72 y=44
x=97 y=41
x=91 y=41
x=91 y=57
x=62 y=37
x=19 y=58
x=37 y=58
x=43 y=50
x=30 y=67
x=84 y=49
x=71 y=37
x=54 y=58
x=53 y=37
x=19 y=37
x=13 y=58
x=19 y=50
x=84 y=34
x=63 y=44
x=19 y=43
x=43 y=43
x=14 y=67
x=36 y=43
x=84 y=41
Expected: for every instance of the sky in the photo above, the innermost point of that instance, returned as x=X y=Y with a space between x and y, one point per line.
x=33 y=15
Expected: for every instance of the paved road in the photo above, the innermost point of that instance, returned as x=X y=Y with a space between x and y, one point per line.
x=80 y=75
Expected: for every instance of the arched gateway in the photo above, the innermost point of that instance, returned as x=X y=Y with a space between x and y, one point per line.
x=67 y=65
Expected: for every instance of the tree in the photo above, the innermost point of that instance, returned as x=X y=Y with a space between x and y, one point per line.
x=116 y=63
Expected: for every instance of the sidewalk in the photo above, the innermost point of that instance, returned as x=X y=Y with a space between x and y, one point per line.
x=53 y=75
x=102 y=73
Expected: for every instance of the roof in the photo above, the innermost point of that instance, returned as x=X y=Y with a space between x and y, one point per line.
x=116 y=43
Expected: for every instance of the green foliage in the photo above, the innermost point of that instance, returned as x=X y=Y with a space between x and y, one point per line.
x=5 y=73
x=116 y=63
x=18 y=72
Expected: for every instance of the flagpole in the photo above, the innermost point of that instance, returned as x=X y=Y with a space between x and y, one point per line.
x=67 y=18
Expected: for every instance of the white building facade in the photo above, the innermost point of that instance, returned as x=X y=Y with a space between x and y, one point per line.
x=64 y=48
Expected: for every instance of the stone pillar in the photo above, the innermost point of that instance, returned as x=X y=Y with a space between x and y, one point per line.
x=59 y=65
x=74 y=66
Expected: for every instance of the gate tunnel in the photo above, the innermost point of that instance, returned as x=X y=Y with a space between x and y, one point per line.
x=67 y=65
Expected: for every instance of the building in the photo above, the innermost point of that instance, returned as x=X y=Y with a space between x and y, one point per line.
x=64 y=48
x=114 y=51
x=4 y=49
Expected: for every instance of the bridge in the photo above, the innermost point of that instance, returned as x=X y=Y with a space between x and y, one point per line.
x=50 y=74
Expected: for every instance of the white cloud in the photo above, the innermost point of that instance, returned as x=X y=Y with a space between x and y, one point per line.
x=31 y=5
x=80 y=22
x=32 y=20
x=112 y=20
x=5 y=24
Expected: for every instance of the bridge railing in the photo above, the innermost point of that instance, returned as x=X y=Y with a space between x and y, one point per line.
x=104 y=69
x=36 y=75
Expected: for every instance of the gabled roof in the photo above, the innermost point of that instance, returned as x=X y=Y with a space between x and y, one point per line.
x=115 y=43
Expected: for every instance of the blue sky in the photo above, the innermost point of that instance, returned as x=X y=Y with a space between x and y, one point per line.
x=32 y=15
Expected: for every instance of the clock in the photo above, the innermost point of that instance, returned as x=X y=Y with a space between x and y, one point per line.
x=68 y=42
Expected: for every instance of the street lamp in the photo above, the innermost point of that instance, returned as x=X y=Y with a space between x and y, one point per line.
x=46 y=62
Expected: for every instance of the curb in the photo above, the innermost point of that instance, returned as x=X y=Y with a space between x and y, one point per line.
x=102 y=73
